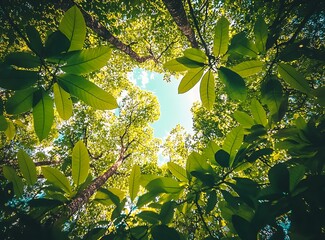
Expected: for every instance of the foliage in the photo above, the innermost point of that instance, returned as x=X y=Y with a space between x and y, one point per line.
x=254 y=163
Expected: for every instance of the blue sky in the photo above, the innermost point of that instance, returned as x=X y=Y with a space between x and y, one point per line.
x=174 y=108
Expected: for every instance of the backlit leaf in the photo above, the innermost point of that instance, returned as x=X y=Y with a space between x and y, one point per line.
x=27 y=167
x=22 y=59
x=244 y=119
x=258 y=112
x=248 y=68
x=235 y=84
x=167 y=212
x=62 y=101
x=17 y=79
x=196 y=162
x=177 y=171
x=207 y=91
x=80 y=163
x=21 y=101
x=190 y=79
x=163 y=185
x=261 y=33
x=87 y=92
x=221 y=37
x=134 y=182
x=233 y=142
x=241 y=45
x=195 y=54
x=149 y=216
x=10 y=131
x=182 y=64
x=3 y=123
x=56 y=43
x=11 y=175
x=272 y=95
x=57 y=178
x=35 y=41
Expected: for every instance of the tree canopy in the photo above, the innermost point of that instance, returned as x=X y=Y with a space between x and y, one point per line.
x=79 y=159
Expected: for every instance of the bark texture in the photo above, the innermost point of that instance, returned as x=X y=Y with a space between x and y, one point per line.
x=177 y=11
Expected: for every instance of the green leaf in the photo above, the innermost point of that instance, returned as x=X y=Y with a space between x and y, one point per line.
x=261 y=33
x=163 y=185
x=149 y=216
x=62 y=101
x=80 y=163
x=1 y=106
x=190 y=79
x=177 y=171
x=35 y=41
x=11 y=175
x=259 y=153
x=222 y=158
x=86 y=61
x=295 y=79
x=212 y=201
x=43 y=114
x=27 y=167
x=195 y=55
x=248 y=68
x=21 y=101
x=195 y=162
x=272 y=95
x=295 y=175
x=87 y=92
x=182 y=64
x=138 y=232
x=134 y=182
x=221 y=37
x=243 y=228
x=235 y=84
x=167 y=212
x=163 y=232
x=207 y=91
x=233 y=142
x=210 y=151
x=22 y=59
x=3 y=123
x=279 y=177
x=17 y=79
x=10 y=131
x=73 y=26
x=258 y=112
x=146 y=198
x=109 y=196
x=55 y=177
x=56 y=43
x=241 y=45
x=244 y=119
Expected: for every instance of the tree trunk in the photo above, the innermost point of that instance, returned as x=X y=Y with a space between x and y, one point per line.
x=176 y=10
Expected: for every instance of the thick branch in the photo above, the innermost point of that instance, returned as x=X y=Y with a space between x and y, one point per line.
x=176 y=10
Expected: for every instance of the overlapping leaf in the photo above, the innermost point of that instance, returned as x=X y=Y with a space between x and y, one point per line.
x=207 y=91
x=221 y=37
x=62 y=101
x=27 y=167
x=134 y=182
x=191 y=78
x=57 y=178
x=80 y=163
x=235 y=85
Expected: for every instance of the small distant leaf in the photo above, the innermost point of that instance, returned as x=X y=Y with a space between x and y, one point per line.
x=21 y=101
x=261 y=33
x=149 y=216
x=207 y=91
x=3 y=123
x=56 y=43
x=17 y=79
x=177 y=171
x=182 y=64
x=258 y=112
x=10 y=131
x=134 y=182
x=295 y=79
x=35 y=41
x=27 y=167
x=195 y=54
x=86 y=61
x=235 y=85
x=57 y=178
x=248 y=68
x=233 y=142
x=10 y=174
x=241 y=45
x=163 y=232
x=43 y=114
x=221 y=37
x=80 y=163
x=222 y=158
x=163 y=185
x=22 y=59
x=62 y=101
x=244 y=119
x=73 y=26
x=87 y=92
x=191 y=78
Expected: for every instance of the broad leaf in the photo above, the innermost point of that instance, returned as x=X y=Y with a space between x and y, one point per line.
x=190 y=79
x=195 y=55
x=11 y=175
x=3 y=123
x=295 y=79
x=163 y=232
x=233 y=142
x=182 y=64
x=279 y=178
x=27 y=167
x=241 y=45
x=177 y=171
x=22 y=59
x=248 y=68
x=212 y=201
x=221 y=37
x=261 y=33
x=259 y=153
x=87 y=92
x=57 y=178
x=258 y=112
x=243 y=228
x=73 y=26
x=21 y=101
x=235 y=84
x=210 y=151
x=222 y=158
x=272 y=95
x=244 y=119
x=62 y=101
x=17 y=79
x=43 y=114
x=109 y=196
x=35 y=41
x=207 y=91
x=134 y=182
x=149 y=216
x=196 y=162
x=163 y=185
x=80 y=163
x=56 y=43
x=167 y=212
x=86 y=61
x=10 y=131
x=295 y=175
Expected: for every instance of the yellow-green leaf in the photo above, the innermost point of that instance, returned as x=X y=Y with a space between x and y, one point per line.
x=235 y=84
x=221 y=37
x=233 y=142
x=27 y=167
x=191 y=78
x=261 y=33
x=195 y=54
x=207 y=91
x=80 y=163
x=3 y=123
x=11 y=175
x=248 y=68
x=177 y=171
x=57 y=178
x=258 y=112
x=10 y=131
x=62 y=101
x=134 y=182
